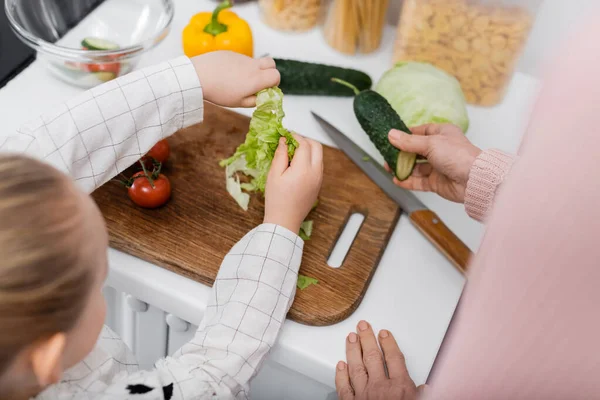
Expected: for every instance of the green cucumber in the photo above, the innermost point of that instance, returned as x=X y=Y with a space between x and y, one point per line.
x=94 y=43
x=305 y=78
x=377 y=117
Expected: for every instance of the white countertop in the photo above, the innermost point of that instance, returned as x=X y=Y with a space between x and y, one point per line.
x=415 y=289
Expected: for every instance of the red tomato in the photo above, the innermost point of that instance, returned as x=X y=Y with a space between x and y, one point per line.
x=144 y=195
x=160 y=152
x=109 y=67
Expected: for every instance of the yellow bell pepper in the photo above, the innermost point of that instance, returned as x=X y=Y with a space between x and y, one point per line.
x=219 y=30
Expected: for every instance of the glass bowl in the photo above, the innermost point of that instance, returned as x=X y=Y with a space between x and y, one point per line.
x=56 y=29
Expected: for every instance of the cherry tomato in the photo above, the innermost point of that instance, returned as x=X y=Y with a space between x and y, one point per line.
x=160 y=152
x=115 y=68
x=144 y=195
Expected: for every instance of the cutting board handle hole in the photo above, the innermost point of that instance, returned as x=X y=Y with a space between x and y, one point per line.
x=345 y=239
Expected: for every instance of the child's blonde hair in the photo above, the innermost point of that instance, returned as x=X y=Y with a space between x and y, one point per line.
x=44 y=279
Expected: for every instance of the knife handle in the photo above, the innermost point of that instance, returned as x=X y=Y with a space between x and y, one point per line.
x=443 y=238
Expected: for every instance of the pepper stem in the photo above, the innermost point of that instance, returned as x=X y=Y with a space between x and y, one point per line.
x=421 y=161
x=347 y=84
x=215 y=27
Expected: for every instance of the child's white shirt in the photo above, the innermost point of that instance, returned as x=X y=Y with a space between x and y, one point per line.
x=99 y=134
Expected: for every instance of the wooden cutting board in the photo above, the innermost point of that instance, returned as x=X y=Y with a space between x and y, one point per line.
x=191 y=234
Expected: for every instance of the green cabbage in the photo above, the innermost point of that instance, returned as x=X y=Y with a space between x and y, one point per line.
x=421 y=94
x=254 y=156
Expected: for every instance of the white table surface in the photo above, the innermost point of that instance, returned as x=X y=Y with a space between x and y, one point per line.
x=414 y=291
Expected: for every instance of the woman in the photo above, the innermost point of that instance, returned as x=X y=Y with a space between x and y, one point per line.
x=527 y=326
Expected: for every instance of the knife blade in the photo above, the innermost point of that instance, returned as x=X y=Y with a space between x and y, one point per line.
x=425 y=220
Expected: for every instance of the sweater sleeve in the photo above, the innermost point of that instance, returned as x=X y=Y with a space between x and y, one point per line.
x=103 y=131
x=486 y=175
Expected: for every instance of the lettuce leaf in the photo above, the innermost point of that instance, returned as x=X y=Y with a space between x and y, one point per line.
x=254 y=156
x=306 y=229
x=305 y=281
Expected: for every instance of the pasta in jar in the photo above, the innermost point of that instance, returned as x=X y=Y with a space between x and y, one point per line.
x=290 y=15
x=353 y=25
x=479 y=43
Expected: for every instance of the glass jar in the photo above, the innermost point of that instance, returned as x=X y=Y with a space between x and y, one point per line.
x=353 y=25
x=290 y=15
x=477 y=41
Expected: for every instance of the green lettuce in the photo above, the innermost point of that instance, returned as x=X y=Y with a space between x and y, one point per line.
x=306 y=229
x=421 y=94
x=305 y=281
x=254 y=156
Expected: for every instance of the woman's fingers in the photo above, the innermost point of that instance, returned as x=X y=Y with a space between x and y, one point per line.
x=409 y=143
x=371 y=355
x=356 y=367
x=422 y=170
x=342 y=382
x=426 y=130
x=418 y=183
x=394 y=358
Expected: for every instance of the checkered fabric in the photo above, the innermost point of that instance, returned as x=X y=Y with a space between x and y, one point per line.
x=100 y=133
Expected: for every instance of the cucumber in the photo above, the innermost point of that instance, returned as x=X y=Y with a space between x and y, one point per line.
x=305 y=78
x=105 y=76
x=377 y=117
x=93 y=43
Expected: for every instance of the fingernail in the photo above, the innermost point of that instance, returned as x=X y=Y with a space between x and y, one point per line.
x=353 y=337
x=282 y=141
x=341 y=365
x=363 y=326
x=395 y=135
x=383 y=333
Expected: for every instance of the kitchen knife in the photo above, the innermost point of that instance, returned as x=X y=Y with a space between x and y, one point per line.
x=428 y=223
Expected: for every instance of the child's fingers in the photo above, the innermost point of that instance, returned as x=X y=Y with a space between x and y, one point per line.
x=280 y=159
x=316 y=154
x=248 y=102
x=265 y=79
x=266 y=63
x=302 y=156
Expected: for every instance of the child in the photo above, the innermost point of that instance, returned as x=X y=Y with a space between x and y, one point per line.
x=54 y=243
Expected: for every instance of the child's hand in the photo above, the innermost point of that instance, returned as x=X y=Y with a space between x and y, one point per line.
x=292 y=190
x=232 y=80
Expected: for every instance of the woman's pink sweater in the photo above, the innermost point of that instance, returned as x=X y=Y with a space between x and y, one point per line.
x=528 y=326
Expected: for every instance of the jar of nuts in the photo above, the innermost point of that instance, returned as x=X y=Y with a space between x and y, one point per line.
x=477 y=41
x=290 y=15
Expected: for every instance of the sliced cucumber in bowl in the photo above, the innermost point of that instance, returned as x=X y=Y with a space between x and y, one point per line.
x=94 y=43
